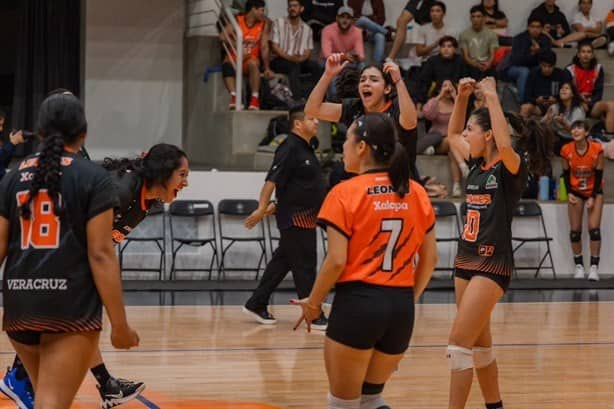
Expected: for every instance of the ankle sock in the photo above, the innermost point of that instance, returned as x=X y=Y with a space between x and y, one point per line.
x=101 y=374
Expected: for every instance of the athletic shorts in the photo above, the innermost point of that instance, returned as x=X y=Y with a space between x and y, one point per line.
x=365 y=316
x=503 y=281
x=26 y=337
x=228 y=70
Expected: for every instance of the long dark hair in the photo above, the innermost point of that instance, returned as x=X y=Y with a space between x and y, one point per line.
x=575 y=98
x=576 y=59
x=61 y=122
x=535 y=141
x=387 y=80
x=155 y=168
x=380 y=133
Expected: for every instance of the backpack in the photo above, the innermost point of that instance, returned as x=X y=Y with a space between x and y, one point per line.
x=278 y=125
x=508 y=97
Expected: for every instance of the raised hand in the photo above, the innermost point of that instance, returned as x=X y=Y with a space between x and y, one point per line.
x=393 y=70
x=466 y=86
x=335 y=63
x=488 y=86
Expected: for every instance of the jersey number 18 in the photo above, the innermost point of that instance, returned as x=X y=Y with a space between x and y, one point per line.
x=42 y=229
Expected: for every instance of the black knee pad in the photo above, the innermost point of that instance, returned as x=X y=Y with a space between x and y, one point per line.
x=595 y=234
x=575 y=236
x=372 y=388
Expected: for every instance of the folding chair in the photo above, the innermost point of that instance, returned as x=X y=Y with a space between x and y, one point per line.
x=187 y=218
x=445 y=210
x=531 y=209
x=273 y=232
x=234 y=211
x=150 y=230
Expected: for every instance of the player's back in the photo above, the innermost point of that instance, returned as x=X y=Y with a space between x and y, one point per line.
x=384 y=230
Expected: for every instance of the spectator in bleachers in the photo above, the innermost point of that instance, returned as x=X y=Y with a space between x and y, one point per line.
x=292 y=44
x=255 y=47
x=496 y=20
x=8 y=149
x=370 y=16
x=604 y=110
x=555 y=23
x=609 y=26
x=320 y=13
x=343 y=37
x=429 y=34
x=565 y=111
x=438 y=110
x=478 y=45
x=586 y=26
x=381 y=89
x=415 y=10
x=526 y=49
x=447 y=65
x=587 y=75
x=543 y=86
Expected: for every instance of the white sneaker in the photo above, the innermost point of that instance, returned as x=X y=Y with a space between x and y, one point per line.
x=579 y=272
x=593 y=274
x=430 y=150
x=611 y=48
x=456 y=190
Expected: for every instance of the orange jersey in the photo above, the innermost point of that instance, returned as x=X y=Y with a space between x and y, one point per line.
x=384 y=231
x=582 y=167
x=252 y=37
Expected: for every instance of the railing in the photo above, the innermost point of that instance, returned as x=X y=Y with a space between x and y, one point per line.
x=209 y=18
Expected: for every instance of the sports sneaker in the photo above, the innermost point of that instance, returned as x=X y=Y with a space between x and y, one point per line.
x=579 y=272
x=456 y=190
x=319 y=324
x=593 y=274
x=262 y=315
x=20 y=391
x=599 y=42
x=430 y=150
x=254 y=104
x=118 y=391
x=233 y=103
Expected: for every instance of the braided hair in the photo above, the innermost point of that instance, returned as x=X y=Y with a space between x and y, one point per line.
x=155 y=168
x=61 y=122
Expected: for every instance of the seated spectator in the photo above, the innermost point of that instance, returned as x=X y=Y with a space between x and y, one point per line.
x=496 y=20
x=565 y=111
x=609 y=26
x=555 y=23
x=371 y=16
x=8 y=149
x=418 y=10
x=447 y=65
x=587 y=75
x=586 y=26
x=438 y=110
x=292 y=44
x=342 y=37
x=543 y=86
x=320 y=13
x=429 y=34
x=255 y=45
x=526 y=48
x=478 y=45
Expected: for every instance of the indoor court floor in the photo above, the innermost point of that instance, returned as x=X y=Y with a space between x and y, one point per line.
x=553 y=354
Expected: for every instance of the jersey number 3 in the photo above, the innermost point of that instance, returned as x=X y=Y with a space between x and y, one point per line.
x=394 y=226
x=472 y=226
x=42 y=229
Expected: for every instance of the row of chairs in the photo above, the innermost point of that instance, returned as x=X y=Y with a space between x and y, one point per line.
x=524 y=210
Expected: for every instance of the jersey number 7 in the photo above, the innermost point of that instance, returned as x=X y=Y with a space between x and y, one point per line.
x=42 y=229
x=394 y=226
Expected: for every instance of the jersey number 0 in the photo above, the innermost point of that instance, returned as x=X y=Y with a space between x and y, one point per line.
x=42 y=229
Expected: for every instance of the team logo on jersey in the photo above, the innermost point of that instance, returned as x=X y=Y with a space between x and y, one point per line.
x=486 y=251
x=491 y=182
x=388 y=205
x=26 y=177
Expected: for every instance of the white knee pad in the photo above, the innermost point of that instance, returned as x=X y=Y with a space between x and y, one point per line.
x=459 y=358
x=482 y=357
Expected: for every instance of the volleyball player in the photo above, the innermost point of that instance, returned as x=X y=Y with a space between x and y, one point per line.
x=54 y=212
x=377 y=223
x=484 y=263
x=583 y=175
x=140 y=183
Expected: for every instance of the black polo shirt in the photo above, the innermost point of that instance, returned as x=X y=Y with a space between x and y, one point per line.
x=299 y=183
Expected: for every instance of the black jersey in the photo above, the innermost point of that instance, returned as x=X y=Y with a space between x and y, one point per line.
x=492 y=195
x=48 y=284
x=133 y=206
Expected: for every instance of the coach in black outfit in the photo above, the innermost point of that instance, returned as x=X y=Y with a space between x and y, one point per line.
x=300 y=188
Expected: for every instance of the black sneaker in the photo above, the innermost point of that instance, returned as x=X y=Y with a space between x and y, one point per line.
x=262 y=315
x=118 y=391
x=319 y=324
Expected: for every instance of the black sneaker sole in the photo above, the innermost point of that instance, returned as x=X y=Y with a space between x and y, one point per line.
x=258 y=317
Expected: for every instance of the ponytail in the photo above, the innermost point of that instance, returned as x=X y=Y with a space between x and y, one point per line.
x=398 y=171
x=535 y=141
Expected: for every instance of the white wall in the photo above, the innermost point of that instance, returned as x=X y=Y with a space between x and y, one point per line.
x=133 y=74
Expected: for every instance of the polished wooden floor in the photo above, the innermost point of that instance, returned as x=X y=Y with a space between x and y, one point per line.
x=551 y=355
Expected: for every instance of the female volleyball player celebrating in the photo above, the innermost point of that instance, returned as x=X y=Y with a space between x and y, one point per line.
x=56 y=215
x=484 y=263
x=377 y=223
x=140 y=182
x=583 y=174
x=376 y=87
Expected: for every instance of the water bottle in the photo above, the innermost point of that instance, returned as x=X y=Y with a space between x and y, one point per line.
x=562 y=190
x=544 y=188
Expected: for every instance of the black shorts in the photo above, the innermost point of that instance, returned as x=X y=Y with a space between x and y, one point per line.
x=26 y=337
x=365 y=316
x=503 y=281
x=228 y=70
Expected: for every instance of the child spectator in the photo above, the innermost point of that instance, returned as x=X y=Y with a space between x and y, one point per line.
x=543 y=86
x=564 y=112
x=587 y=75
